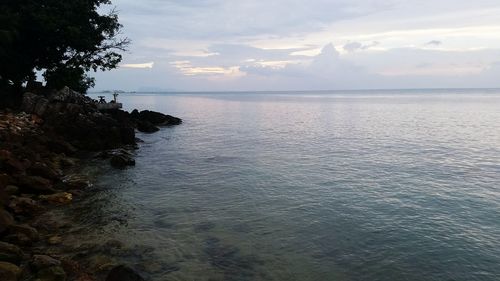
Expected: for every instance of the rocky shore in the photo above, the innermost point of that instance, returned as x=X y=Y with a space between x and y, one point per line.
x=41 y=145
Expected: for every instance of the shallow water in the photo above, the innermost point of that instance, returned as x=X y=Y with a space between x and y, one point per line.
x=383 y=185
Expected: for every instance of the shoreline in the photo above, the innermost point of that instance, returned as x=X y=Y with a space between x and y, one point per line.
x=42 y=147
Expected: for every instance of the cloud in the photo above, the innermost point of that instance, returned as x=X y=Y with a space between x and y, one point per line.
x=257 y=44
x=354 y=46
x=433 y=43
x=138 y=65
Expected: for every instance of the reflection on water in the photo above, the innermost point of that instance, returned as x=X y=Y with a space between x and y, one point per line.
x=289 y=186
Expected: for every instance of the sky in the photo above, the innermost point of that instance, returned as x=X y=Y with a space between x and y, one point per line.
x=279 y=45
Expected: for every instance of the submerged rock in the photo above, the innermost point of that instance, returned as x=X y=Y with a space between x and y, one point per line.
x=76 y=181
x=36 y=183
x=24 y=205
x=53 y=273
x=10 y=253
x=25 y=230
x=9 y=271
x=123 y=273
x=39 y=262
x=121 y=161
x=58 y=198
x=6 y=220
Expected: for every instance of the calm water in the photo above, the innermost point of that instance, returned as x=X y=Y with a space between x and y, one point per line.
x=394 y=185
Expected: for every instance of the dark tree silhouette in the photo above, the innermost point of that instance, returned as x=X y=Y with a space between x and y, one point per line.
x=62 y=39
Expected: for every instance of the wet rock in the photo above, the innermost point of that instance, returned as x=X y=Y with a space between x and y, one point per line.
x=53 y=273
x=6 y=220
x=57 y=198
x=36 y=183
x=123 y=273
x=39 y=262
x=10 y=163
x=101 y=263
x=26 y=230
x=61 y=146
x=157 y=118
x=11 y=189
x=42 y=170
x=10 y=253
x=9 y=271
x=146 y=127
x=121 y=161
x=24 y=206
x=55 y=240
x=76 y=181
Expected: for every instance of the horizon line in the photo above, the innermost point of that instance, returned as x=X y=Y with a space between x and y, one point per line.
x=280 y=91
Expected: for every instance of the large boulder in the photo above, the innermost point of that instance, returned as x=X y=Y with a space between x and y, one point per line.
x=156 y=118
x=146 y=127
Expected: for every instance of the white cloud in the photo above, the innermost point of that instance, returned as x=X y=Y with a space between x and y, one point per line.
x=256 y=44
x=138 y=65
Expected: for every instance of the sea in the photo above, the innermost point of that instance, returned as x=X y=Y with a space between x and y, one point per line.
x=323 y=185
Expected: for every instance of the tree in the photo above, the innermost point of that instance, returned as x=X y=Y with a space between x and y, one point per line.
x=62 y=39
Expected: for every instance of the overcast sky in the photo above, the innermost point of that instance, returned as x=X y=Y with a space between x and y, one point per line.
x=212 y=45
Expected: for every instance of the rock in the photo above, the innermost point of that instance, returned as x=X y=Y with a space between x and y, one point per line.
x=39 y=262
x=10 y=163
x=76 y=181
x=146 y=127
x=6 y=220
x=11 y=190
x=53 y=273
x=41 y=169
x=10 y=253
x=157 y=118
x=36 y=183
x=121 y=161
x=61 y=146
x=54 y=240
x=24 y=205
x=57 y=198
x=123 y=273
x=9 y=271
x=26 y=230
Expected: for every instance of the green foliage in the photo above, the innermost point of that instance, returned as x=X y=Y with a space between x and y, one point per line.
x=63 y=39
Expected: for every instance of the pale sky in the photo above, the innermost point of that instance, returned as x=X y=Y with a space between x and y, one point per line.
x=222 y=45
